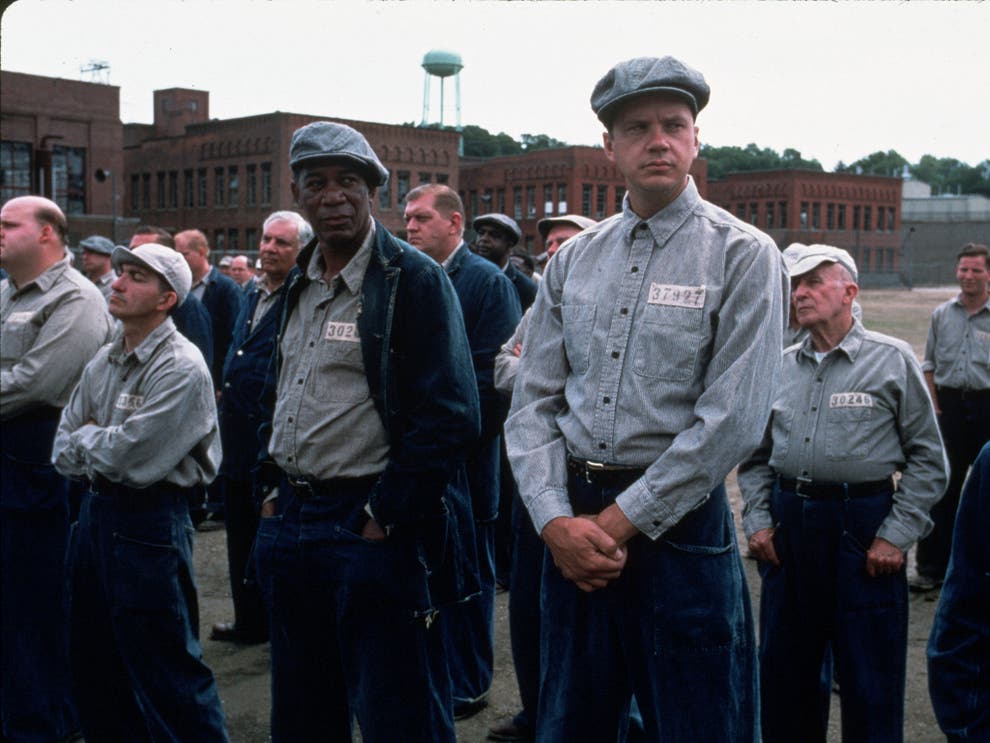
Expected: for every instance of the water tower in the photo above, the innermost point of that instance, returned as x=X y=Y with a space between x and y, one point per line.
x=442 y=64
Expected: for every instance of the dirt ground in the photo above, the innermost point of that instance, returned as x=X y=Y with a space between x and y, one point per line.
x=242 y=672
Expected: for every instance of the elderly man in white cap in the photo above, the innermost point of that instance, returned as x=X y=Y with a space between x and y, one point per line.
x=141 y=426
x=825 y=518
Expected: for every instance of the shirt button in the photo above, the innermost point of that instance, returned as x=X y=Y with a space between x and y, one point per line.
x=289 y=457
x=606 y=400
x=312 y=343
x=814 y=408
x=806 y=440
x=299 y=381
x=615 y=354
x=240 y=353
x=603 y=445
x=624 y=311
x=226 y=385
x=635 y=269
x=290 y=419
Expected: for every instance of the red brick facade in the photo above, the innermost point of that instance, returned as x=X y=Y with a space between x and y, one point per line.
x=859 y=213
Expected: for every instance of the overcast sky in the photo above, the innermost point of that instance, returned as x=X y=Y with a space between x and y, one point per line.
x=835 y=81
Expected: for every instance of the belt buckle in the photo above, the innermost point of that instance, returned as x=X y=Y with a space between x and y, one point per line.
x=798 y=482
x=304 y=488
x=590 y=467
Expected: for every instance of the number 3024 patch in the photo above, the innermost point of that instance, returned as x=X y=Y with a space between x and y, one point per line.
x=342 y=331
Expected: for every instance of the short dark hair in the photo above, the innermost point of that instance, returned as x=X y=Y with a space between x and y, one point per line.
x=974 y=249
x=162 y=236
x=445 y=199
x=55 y=219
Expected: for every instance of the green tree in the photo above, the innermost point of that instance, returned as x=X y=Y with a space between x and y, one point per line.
x=889 y=163
x=733 y=159
x=540 y=142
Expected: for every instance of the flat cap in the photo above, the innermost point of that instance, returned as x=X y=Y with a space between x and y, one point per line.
x=167 y=263
x=226 y=261
x=545 y=225
x=501 y=220
x=97 y=244
x=644 y=75
x=799 y=259
x=325 y=140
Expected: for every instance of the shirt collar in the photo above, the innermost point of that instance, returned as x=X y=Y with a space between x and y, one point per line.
x=353 y=273
x=849 y=345
x=207 y=278
x=145 y=348
x=665 y=222
x=449 y=260
x=986 y=305
x=47 y=279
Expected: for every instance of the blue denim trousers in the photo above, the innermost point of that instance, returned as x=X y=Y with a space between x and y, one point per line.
x=36 y=702
x=821 y=595
x=675 y=629
x=136 y=658
x=344 y=640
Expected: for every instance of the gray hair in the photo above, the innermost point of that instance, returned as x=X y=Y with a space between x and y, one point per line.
x=305 y=232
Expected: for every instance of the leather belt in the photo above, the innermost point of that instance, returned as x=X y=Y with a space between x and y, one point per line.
x=963 y=394
x=600 y=473
x=338 y=486
x=824 y=490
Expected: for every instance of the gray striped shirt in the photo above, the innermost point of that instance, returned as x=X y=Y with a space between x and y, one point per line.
x=958 y=347
x=651 y=343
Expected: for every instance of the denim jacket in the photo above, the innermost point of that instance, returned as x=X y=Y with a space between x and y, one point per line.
x=420 y=373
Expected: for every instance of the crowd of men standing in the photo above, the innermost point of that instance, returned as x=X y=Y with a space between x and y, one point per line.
x=365 y=411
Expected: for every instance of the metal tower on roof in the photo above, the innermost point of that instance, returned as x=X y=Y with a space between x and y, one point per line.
x=442 y=64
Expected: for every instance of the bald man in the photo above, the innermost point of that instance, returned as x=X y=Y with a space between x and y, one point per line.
x=53 y=322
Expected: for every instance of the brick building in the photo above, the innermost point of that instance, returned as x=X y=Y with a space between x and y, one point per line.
x=225 y=176
x=857 y=212
x=55 y=135
x=533 y=185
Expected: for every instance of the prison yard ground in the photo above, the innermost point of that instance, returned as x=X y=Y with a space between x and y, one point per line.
x=243 y=671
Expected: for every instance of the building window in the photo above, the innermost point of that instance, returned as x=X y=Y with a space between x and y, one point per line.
x=219 y=182
x=529 y=244
x=232 y=242
x=586 y=199
x=146 y=190
x=890 y=258
x=769 y=218
x=754 y=210
x=517 y=211
x=443 y=178
x=601 y=201
x=385 y=194
x=530 y=202
x=856 y=212
x=741 y=210
x=424 y=177
x=201 y=187
x=473 y=202
x=867 y=218
x=266 y=183
x=804 y=215
x=251 y=238
x=890 y=219
x=547 y=199
x=816 y=216
x=402 y=186
x=486 y=201
x=188 y=192
x=69 y=178
x=252 y=185
x=841 y=218
x=561 y=198
x=783 y=214
x=233 y=184
x=830 y=216
x=620 y=194
x=219 y=241
x=881 y=219
x=135 y=191
x=160 y=188
x=879 y=256
x=173 y=189
x=500 y=200
x=15 y=170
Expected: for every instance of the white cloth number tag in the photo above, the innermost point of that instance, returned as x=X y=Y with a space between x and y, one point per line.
x=672 y=295
x=342 y=331
x=129 y=402
x=851 y=400
x=19 y=317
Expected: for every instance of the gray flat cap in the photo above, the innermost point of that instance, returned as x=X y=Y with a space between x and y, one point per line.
x=324 y=140
x=167 y=263
x=800 y=259
x=97 y=244
x=643 y=75
x=545 y=225
x=501 y=220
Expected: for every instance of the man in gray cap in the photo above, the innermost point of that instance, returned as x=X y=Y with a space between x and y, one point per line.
x=141 y=426
x=53 y=321
x=645 y=377
x=96 y=252
x=825 y=518
x=496 y=234
x=376 y=408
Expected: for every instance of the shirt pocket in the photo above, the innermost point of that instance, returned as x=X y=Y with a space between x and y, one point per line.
x=19 y=333
x=981 y=347
x=848 y=433
x=339 y=376
x=667 y=343
x=783 y=422
x=578 y=322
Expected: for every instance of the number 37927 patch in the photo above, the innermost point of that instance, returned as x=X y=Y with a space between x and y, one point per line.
x=672 y=295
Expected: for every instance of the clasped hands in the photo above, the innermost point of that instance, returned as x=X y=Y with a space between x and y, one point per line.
x=590 y=550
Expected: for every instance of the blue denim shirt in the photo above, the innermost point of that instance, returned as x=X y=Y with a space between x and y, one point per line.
x=420 y=373
x=959 y=646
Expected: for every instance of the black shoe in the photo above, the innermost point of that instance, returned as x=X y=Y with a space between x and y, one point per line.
x=464 y=710
x=507 y=729
x=230 y=632
x=923 y=583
